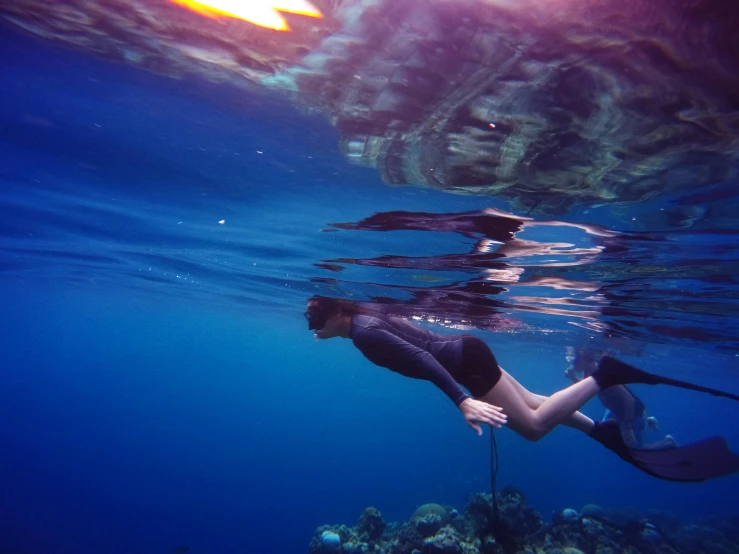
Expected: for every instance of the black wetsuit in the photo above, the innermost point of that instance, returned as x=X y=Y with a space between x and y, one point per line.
x=448 y=361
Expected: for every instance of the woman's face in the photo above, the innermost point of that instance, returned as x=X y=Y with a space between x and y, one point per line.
x=316 y=314
x=323 y=324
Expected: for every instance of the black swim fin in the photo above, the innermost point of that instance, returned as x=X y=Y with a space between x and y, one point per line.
x=692 y=463
x=612 y=372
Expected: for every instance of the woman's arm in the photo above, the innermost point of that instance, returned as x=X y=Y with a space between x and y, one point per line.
x=387 y=350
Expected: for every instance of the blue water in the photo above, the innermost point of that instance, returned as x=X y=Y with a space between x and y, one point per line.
x=159 y=388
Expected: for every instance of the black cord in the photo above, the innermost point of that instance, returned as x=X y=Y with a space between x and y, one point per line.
x=494 y=476
x=498 y=528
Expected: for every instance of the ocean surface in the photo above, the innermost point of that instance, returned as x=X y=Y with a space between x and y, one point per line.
x=160 y=391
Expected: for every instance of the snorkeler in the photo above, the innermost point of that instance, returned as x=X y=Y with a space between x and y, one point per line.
x=621 y=404
x=456 y=361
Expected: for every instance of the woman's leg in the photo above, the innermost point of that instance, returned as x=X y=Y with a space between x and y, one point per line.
x=578 y=421
x=533 y=422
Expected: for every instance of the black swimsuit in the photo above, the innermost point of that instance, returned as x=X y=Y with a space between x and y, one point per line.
x=446 y=361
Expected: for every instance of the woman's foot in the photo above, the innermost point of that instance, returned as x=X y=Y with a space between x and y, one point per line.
x=612 y=372
x=608 y=433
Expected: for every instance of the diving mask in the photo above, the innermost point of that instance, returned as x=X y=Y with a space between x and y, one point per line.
x=317 y=317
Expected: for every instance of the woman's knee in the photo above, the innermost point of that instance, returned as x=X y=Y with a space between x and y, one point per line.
x=532 y=435
x=534 y=429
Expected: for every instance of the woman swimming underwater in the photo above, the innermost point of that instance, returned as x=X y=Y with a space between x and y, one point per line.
x=496 y=398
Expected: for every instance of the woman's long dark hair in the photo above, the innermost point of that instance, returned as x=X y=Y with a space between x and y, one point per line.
x=337 y=305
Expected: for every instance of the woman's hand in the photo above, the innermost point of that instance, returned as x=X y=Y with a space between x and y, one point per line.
x=477 y=411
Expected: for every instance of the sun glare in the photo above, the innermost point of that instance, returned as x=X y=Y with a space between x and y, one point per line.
x=264 y=13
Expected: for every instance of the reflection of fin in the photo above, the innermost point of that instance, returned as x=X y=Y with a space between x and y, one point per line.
x=615 y=372
x=699 y=461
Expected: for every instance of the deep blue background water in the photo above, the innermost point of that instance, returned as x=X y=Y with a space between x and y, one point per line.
x=158 y=385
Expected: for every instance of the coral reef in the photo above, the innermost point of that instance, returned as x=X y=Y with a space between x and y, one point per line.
x=371 y=525
x=520 y=529
x=431 y=509
x=591 y=510
x=430 y=518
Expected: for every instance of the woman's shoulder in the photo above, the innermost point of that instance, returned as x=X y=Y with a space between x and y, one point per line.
x=368 y=330
x=369 y=320
x=394 y=325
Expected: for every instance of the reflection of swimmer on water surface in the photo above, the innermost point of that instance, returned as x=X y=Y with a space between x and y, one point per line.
x=495 y=234
x=521 y=247
x=491 y=258
x=491 y=224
